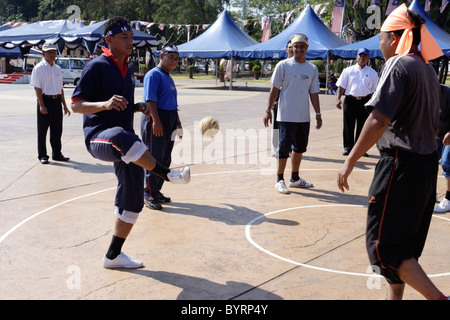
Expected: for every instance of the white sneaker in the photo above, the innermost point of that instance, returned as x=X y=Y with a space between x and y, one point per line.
x=180 y=176
x=443 y=206
x=281 y=187
x=122 y=261
x=300 y=183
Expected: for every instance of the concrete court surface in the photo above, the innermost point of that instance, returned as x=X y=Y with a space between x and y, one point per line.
x=226 y=235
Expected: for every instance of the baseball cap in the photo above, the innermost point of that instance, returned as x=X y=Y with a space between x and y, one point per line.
x=169 y=48
x=299 y=37
x=49 y=46
x=363 y=50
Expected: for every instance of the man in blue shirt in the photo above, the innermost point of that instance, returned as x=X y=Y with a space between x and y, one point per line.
x=105 y=97
x=157 y=133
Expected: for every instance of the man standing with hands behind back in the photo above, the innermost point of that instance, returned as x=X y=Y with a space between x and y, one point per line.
x=46 y=78
x=358 y=82
x=160 y=95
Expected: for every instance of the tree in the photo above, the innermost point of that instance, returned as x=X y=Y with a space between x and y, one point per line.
x=53 y=10
x=193 y=12
x=188 y=11
x=13 y=9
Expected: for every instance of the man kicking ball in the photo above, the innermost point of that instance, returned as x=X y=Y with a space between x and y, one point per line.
x=105 y=97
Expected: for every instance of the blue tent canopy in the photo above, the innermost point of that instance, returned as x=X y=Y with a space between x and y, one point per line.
x=91 y=35
x=349 y=51
x=218 y=41
x=320 y=40
x=13 y=53
x=36 y=33
x=64 y=33
x=373 y=43
x=10 y=51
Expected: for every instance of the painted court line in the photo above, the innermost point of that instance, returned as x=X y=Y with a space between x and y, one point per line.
x=247 y=228
x=250 y=239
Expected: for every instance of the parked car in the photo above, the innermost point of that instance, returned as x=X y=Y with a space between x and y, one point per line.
x=71 y=68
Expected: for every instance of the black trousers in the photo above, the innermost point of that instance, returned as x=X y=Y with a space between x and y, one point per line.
x=402 y=198
x=53 y=120
x=160 y=148
x=354 y=114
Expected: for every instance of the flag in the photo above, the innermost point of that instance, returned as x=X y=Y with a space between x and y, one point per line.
x=392 y=5
x=374 y=2
x=188 y=26
x=427 y=5
x=355 y=3
x=444 y=4
x=265 y=23
x=228 y=69
x=147 y=57
x=337 y=16
x=288 y=16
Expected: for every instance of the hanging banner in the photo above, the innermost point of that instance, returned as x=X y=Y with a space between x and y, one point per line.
x=337 y=16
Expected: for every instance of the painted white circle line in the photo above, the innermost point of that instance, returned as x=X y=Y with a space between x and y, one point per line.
x=10 y=231
x=3 y=237
x=250 y=239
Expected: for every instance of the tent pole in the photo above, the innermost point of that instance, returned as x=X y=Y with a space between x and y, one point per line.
x=216 y=70
x=139 y=60
x=328 y=72
x=231 y=74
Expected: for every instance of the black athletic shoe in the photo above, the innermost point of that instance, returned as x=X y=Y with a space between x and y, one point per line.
x=162 y=198
x=153 y=204
x=44 y=160
x=60 y=158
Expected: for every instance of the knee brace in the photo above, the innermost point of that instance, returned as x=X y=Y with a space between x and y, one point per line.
x=127 y=216
x=136 y=151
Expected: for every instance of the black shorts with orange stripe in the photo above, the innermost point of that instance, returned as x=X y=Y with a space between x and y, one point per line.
x=402 y=197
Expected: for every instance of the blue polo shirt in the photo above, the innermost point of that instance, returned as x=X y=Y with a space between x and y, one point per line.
x=100 y=80
x=160 y=87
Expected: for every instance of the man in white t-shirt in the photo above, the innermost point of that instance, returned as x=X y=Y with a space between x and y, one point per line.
x=358 y=82
x=47 y=80
x=296 y=81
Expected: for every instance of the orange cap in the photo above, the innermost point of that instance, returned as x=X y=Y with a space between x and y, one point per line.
x=399 y=20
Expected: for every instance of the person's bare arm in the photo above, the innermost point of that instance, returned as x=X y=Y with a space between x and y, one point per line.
x=270 y=102
x=86 y=107
x=42 y=107
x=373 y=128
x=314 y=97
x=63 y=101
x=340 y=93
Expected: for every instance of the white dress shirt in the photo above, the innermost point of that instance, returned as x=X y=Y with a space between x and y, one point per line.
x=357 y=81
x=47 y=78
